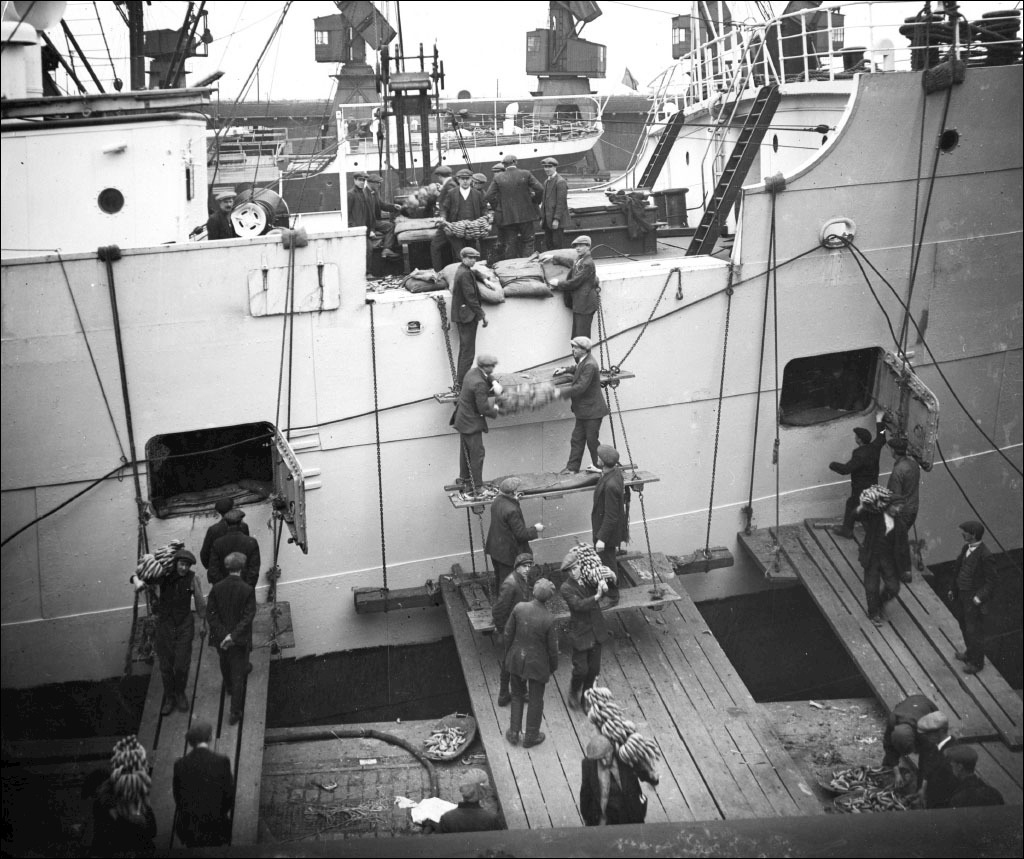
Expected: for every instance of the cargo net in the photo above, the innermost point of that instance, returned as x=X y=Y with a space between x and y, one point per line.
x=631 y=747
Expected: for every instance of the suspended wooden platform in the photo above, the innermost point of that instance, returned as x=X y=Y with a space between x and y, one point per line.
x=507 y=380
x=163 y=737
x=913 y=651
x=544 y=484
x=722 y=759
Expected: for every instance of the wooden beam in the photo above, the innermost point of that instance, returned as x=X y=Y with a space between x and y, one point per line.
x=375 y=600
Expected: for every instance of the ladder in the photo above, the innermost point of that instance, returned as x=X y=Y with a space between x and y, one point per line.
x=661 y=150
x=735 y=173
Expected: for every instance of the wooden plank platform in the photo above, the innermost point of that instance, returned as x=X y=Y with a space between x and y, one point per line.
x=722 y=759
x=163 y=737
x=764 y=550
x=546 y=484
x=562 y=380
x=913 y=651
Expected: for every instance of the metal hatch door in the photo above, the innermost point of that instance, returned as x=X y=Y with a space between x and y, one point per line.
x=289 y=491
x=914 y=408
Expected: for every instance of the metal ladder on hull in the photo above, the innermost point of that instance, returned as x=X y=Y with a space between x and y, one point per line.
x=735 y=173
x=661 y=150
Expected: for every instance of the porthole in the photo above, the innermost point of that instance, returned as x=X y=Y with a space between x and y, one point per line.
x=775 y=143
x=110 y=201
x=949 y=140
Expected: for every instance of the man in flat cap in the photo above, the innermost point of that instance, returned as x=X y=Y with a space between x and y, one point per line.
x=554 y=207
x=608 y=517
x=175 y=628
x=905 y=486
x=582 y=282
x=218 y=529
x=470 y=419
x=480 y=182
x=467 y=310
x=508 y=536
x=445 y=183
x=531 y=659
x=234 y=539
x=364 y=211
x=587 y=629
x=969 y=592
x=470 y=816
x=862 y=467
x=463 y=203
x=219 y=225
x=384 y=226
x=497 y=251
x=588 y=405
x=970 y=789
x=517 y=192
x=937 y=782
x=516 y=587
x=900 y=738
x=204 y=791
x=232 y=607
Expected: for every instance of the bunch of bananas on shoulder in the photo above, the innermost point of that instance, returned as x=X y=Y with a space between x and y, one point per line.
x=632 y=748
x=592 y=571
x=129 y=776
x=157 y=564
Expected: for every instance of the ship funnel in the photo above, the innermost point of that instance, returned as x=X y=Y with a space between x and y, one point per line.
x=21 y=64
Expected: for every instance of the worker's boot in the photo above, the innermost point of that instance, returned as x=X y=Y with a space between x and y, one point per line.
x=181 y=700
x=168 y=705
x=531 y=740
x=575 y=690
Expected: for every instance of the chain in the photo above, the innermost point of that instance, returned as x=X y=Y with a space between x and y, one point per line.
x=446 y=327
x=718 y=417
x=472 y=550
x=376 y=424
x=661 y=295
x=479 y=512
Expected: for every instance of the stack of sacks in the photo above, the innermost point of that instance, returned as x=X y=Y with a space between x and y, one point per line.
x=415 y=229
x=525 y=278
x=490 y=288
x=423 y=280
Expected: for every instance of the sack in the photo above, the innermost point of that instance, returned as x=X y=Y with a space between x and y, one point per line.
x=528 y=288
x=417 y=285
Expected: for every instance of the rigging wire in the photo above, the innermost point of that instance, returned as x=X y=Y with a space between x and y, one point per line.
x=117 y=82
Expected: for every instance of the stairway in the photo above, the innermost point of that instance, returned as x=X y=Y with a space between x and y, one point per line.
x=736 y=169
x=661 y=150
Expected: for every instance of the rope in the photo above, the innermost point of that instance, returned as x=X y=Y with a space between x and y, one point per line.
x=718 y=417
x=469 y=528
x=289 y=286
x=376 y=424
x=291 y=330
x=118 y=83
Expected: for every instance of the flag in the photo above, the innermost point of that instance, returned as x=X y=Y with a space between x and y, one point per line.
x=630 y=81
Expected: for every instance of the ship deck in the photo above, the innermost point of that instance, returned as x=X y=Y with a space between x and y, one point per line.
x=722 y=759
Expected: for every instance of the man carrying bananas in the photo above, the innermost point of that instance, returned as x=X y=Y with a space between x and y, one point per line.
x=587 y=627
x=175 y=628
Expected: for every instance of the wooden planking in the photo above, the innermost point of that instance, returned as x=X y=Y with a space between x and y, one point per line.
x=555 y=488
x=764 y=551
x=636 y=567
x=1001 y=768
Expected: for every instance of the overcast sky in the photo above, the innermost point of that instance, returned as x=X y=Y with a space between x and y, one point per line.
x=482 y=44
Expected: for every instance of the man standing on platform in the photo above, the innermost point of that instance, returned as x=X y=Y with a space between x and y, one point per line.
x=587 y=628
x=382 y=224
x=497 y=251
x=439 y=253
x=467 y=311
x=588 y=405
x=905 y=486
x=175 y=628
x=608 y=517
x=518 y=192
x=877 y=554
x=463 y=203
x=583 y=284
x=218 y=529
x=470 y=419
x=204 y=792
x=232 y=607
x=970 y=592
x=863 y=470
x=515 y=588
x=532 y=657
x=508 y=536
x=235 y=540
x=554 y=207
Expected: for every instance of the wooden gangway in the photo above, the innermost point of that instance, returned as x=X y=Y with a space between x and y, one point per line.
x=721 y=756
x=163 y=737
x=913 y=650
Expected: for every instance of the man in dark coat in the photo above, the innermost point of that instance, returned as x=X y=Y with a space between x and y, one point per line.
x=587 y=628
x=204 y=792
x=234 y=540
x=470 y=420
x=588 y=405
x=175 y=628
x=231 y=609
x=531 y=658
x=900 y=737
x=218 y=529
x=518 y=192
x=608 y=519
x=219 y=225
x=610 y=790
x=583 y=284
x=470 y=816
x=937 y=782
x=554 y=207
x=515 y=588
x=464 y=203
x=877 y=554
x=440 y=255
x=862 y=467
x=970 y=789
x=383 y=225
x=497 y=251
x=905 y=486
x=970 y=591
x=508 y=536
x=467 y=311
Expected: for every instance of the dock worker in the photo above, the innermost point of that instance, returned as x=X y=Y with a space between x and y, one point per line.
x=444 y=183
x=970 y=790
x=587 y=630
x=531 y=659
x=470 y=816
x=609 y=516
x=588 y=405
x=231 y=609
x=470 y=420
x=516 y=587
x=497 y=251
x=508 y=536
x=123 y=822
x=582 y=282
x=517 y=192
x=219 y=225
x=877 y=554
x=900 y=737
x=234 y=539
x=610 y=790
x=384 y=226
x=937 y=782
x=905 y=486
x=554 y=207
x=464 y=203
x=363 y=211
x=175 y=628
x=862 y=466
x=467 y=310
x=218 y=529
x=204 y=791
x=480 y=182
x=970 y=591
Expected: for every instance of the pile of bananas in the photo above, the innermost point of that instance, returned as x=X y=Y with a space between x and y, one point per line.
x=861 y=777
x=128 y=773
x=153 y=566
x=866 y=789
x=526 y=397
x=592 y=570
x=632 y=748
x=875 y=498
x=445 y=741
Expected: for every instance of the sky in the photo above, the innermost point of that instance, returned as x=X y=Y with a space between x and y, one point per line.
x=482 y=44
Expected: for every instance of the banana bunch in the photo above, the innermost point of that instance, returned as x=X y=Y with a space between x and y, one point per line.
x=153 y=566
x=632 y=748
x=526 y=397
x=128 y=773
x=875 y=498
x=592 y=570
x=642 y=754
